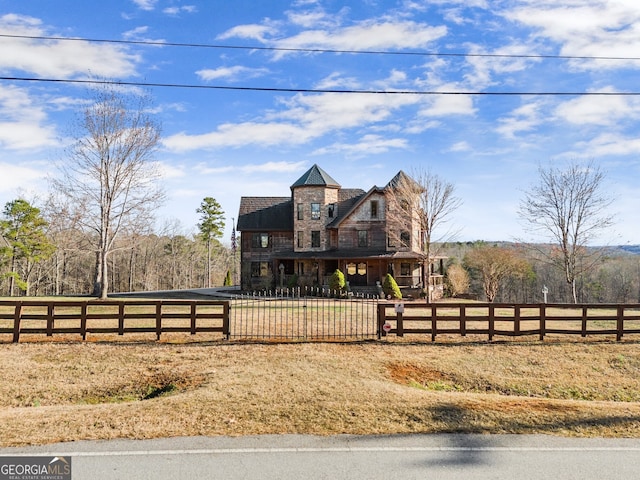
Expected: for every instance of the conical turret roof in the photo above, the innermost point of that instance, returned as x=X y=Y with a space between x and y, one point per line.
x=315 y=176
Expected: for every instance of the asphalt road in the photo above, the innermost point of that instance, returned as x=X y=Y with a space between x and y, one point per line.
x=289 y=457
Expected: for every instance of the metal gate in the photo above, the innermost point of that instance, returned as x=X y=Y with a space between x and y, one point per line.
x=303 y=315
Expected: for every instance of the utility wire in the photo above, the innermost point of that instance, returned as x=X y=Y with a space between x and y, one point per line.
x=316 y=50
x=314 y=90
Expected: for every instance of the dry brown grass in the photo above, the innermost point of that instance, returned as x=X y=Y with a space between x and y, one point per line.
x=58 y=391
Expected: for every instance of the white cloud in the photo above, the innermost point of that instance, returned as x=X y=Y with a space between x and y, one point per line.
x=523 y=119
x=267 y=167
x=146 y=4
x=173 y=11
x=236 y=72
x=250 y=32
x=305 y=117
x=371 y=34
x=446 y=105
x=593 y=28
x=23 y=177
x=315 y=18
x=460 y=147
x=57 y=58
x=240 y=135
x=23 y=121
x=487 y=68
x=367 y=145
x=609 y=144
x=167 y=171
x=599 y=110
x=367 y=35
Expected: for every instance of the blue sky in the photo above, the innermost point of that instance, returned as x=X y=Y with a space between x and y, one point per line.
x=230 y=143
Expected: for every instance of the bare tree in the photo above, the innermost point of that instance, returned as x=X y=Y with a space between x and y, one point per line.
x=571 y=206
x=495 y=264
x=108 y=184
x=420 y=206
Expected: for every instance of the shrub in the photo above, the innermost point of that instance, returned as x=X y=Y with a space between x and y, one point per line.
x=457 y=280
x=337 y=281
x=227 y=279
x=293 y=281
x=390 y=287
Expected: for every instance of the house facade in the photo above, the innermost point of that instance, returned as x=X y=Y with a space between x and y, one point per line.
x=303 y=238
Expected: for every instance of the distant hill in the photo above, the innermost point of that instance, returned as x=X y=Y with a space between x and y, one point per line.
x=635 y=249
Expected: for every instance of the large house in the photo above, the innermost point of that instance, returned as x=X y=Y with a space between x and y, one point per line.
x=303 y=238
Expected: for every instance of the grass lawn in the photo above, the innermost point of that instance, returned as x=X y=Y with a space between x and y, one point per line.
x=60 y=390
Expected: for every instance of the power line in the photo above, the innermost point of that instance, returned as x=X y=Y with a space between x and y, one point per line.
x=313 y=90
x=317 y=50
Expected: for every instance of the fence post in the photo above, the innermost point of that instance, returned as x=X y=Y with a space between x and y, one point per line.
x=543 y=321
x=620 y=323
x=463 y=320
x=50 y=319
x=434 y=322
x=226 y=331
x=399 y=324
x=158 y=319
x=492 y=321
x=584 y=322
x=516 y=321
x=381 y=318
x=193 y=318
x=121 y=318
x=83 y=321
x=17 y=317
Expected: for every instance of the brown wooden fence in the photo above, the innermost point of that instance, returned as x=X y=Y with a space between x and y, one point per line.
x=113 y=317
x=337 y=320
x=507 y=319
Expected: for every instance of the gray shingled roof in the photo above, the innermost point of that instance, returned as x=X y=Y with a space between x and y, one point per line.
x=402 y=178
x=315 y=176
x=347 y=198
x=265 y=214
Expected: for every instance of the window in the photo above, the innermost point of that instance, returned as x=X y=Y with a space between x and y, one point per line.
x=260 y=240
x=331 y=210
x=363 y=238
x=300 y=239
x=405 y=269
x=259 y=269
x=374 y=208
x=315 y=211
x=300 y=211
x=390 y=240
x=315 y=238
x=300 y=269
x=405 y=239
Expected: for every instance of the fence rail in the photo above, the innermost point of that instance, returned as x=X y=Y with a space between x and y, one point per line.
x=107 y=317
x=507 y=319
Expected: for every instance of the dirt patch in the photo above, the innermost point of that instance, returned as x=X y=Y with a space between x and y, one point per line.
x=153 y=384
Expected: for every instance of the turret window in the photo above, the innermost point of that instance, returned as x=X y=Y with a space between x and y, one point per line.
x=315 y=211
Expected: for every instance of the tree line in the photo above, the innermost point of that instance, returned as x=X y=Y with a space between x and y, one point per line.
x=40 y=256
x=519 y=273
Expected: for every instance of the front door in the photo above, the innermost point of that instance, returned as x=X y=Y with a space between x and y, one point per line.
x=357 y=273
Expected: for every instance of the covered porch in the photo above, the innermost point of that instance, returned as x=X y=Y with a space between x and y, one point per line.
x=360 y=268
